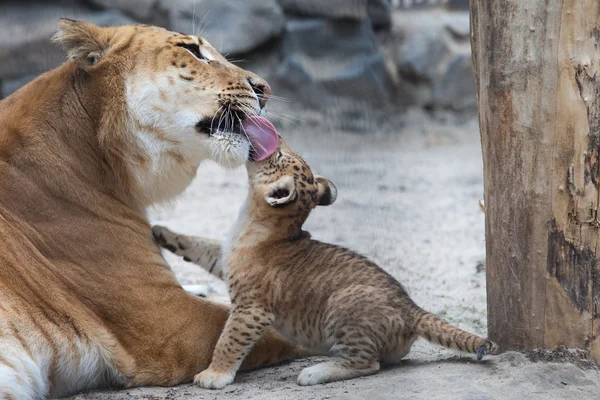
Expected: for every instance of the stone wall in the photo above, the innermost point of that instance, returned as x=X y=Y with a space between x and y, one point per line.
x=317 y=53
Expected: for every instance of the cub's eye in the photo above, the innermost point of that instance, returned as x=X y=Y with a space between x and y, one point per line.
x=194 y=49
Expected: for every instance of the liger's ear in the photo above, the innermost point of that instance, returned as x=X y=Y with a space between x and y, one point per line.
x=281 y=192
x=326 y=191
x=84 y=43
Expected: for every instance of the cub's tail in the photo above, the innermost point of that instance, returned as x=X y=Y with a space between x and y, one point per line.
x=440 y=332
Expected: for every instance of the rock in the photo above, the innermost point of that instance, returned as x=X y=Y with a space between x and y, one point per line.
x=25 y=47
x=378 y=11
x=431 y=51
x=458 y=25
x=232 y=26
x=142 y=10
x=425 y=39
x=338 y=58
x=418 y=4
x=421 y=53
x=458 y=5
x=7 y=87
x=456 y=88
x=332 y=9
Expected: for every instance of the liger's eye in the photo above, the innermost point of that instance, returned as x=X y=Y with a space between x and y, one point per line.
x=194 y=49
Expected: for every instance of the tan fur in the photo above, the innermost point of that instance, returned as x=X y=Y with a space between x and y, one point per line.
x=327 y=299
x=86 y=298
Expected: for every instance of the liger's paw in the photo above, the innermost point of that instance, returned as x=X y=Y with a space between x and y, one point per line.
x=163 y=237
x=201 y=290
x=210 y=291
x=209 y=379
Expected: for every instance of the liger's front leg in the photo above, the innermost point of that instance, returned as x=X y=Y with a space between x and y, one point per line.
x=244 y=327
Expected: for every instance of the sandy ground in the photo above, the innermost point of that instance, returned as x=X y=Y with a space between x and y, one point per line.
x=408 y=199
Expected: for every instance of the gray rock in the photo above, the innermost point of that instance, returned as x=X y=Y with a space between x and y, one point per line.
x=423 y=43
x=418 y=4
x=324 y=59
x=458 y=5
x=8 y=87
x=332 y=9
x=431 y=51
x=458 y=25
x=421 y=53
x=455 y=90
x=378 y=11
x=232 y=26
x=142 y=10
x=25 y=46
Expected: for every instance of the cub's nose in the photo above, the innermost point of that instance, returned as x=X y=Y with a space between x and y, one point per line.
x=261 y=88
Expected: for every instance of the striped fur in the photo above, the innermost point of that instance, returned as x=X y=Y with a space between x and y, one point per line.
x=86 y=298
x=323 y=297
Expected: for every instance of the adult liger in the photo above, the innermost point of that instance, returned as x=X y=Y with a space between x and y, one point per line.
x=86 y=299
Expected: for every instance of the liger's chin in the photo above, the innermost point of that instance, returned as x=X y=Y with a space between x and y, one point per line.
x=228 y=149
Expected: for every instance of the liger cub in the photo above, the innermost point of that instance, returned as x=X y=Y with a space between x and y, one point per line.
x=323 y=297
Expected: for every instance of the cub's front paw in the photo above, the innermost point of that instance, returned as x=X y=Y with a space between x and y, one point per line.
x=209 y=379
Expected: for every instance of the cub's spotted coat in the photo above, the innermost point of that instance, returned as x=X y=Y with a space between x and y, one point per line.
x=323 y=297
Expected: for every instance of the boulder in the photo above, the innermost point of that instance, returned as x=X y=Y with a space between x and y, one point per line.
x=142 y=10
x=232 y=26
x=25 y=47
x=324 y=58
x=462 y=5
x=421 y=51
x=431 y=51
x=458 y=25
x=455 y=89
x=7 y=87
x=331 y=9
x=378 y=11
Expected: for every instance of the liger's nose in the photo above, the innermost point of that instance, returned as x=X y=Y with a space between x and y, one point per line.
x=261 y=88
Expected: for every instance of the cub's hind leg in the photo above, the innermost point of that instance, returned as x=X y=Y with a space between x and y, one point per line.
x=338 y=369
x=195 y=249
x=400 y=350
x=352 y=361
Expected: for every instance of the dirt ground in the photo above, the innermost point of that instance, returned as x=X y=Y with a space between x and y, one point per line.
x=407 y=199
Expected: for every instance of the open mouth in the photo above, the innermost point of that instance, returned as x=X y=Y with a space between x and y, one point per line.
x=257 y=130
x=222 y=123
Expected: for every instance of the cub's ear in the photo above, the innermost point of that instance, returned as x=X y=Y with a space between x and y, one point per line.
x=326 y=191
x=84 y=43
x=281 y=192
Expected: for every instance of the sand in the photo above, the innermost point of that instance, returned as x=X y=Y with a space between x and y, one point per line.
x=408 y=198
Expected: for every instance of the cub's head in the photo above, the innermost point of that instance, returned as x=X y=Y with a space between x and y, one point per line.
x=163 y=101
x=283 y=185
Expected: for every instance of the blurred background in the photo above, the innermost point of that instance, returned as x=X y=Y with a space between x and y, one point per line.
x=320 y=53
x=377 y=95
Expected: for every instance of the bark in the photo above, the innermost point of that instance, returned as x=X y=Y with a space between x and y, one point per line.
x=536 y=64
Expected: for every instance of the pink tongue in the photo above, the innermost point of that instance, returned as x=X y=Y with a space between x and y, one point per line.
x=262 y=136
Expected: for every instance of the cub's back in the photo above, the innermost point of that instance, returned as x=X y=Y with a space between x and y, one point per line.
x=310 y=271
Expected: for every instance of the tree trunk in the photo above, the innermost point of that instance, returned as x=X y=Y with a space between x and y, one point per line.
x=536 y=64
